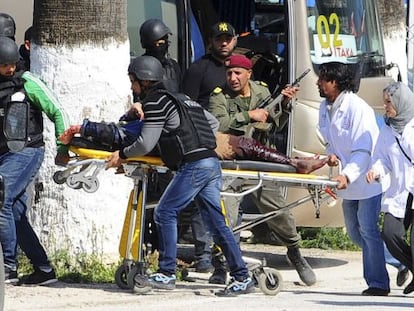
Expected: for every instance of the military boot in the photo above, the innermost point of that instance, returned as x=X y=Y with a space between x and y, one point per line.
x=303 y=268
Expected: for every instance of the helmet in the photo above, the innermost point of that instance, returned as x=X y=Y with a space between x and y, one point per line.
x=152 y=30
x=146 y=68
x=9 y=52
x=7 y=25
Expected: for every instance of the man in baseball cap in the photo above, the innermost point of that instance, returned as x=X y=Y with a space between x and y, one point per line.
x=222 y=28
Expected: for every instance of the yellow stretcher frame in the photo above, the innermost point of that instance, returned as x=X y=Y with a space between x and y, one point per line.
x=84 y=167
x=92 y=161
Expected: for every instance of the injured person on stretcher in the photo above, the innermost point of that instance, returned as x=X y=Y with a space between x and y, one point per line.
x=113 y=136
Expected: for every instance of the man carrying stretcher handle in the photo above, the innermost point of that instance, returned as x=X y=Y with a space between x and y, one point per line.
x=182 y=129
x=161 y=119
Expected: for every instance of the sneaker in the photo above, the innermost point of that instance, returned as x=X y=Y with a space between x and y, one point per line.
x=402 y=276
x=375 y=291
x=239 y=287
x=162 y=281
x=304 y=270
x=219 y=276
x=39 y=277
x=10 y=276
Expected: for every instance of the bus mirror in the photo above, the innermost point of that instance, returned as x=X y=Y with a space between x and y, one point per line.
x=15 y=125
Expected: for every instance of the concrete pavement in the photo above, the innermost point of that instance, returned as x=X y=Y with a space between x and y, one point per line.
x=339 y=286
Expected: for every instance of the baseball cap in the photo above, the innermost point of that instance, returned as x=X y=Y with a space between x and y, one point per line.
x=222 y=28
x=238 y=60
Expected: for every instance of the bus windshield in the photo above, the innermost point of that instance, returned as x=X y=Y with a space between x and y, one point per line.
x=346 y=31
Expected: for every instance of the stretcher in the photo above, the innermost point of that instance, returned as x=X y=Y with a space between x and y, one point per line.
x=83 y=170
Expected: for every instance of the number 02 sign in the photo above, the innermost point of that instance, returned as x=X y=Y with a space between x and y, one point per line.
x=332 y=46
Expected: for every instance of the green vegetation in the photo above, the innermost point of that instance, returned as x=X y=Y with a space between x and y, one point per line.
x=80 y=268
x=91 y=268
x=326 y=238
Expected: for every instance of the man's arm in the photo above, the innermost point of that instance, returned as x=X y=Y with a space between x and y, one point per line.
x=42 y=96
x=214 y=123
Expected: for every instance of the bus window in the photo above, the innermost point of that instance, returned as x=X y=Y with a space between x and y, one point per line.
x=346 y=31
x=140 y=11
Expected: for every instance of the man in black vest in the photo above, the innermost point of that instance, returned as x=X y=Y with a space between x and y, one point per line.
x=170 y=124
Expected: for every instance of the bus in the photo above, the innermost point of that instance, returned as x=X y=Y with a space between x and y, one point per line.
x=284 y=37
x=410 y=45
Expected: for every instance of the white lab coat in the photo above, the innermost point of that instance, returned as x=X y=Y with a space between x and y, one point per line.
x=351 y=135
x=407 y=143
x=390 y=163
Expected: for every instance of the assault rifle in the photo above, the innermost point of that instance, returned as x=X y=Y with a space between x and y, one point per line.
x=273 y=104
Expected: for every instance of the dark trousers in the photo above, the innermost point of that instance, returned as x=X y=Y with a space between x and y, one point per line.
x=394 y=235
x=202 y=238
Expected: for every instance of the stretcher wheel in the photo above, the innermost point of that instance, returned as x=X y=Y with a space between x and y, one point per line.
x=73 y=183
x=141 y=285
x=121 y=277
x=138 y=281
x=59 y=177
x=270 y=281
x=131 y=276
x=91 y=186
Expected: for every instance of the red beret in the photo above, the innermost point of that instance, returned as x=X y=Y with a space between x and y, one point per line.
x=239 y=61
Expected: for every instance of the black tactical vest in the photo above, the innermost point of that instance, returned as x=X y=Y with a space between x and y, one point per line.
x=193 y=135
x=11 y=86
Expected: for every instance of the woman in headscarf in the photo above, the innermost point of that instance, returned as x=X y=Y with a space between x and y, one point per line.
x=389 y=164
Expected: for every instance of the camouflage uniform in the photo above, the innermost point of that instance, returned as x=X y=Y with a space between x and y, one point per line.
x=232 y=112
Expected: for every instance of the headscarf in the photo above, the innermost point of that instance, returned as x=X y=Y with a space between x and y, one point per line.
x=402 y=99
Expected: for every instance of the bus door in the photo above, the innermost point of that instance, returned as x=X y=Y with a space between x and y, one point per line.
x=410 y=44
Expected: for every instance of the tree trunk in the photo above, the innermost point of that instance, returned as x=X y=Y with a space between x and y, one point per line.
x=81 y=50
x=77 y=22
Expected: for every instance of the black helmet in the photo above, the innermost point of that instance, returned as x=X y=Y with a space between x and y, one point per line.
x=152 y=30
x=7 y=25
x=146 y=68
x=9 y=52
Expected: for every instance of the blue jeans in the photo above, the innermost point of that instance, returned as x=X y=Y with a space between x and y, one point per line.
x=199 y=180
x=391 y=260
x=361 y=221
x=18 y=170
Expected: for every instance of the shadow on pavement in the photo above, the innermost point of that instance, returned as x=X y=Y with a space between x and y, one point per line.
x=279 y=261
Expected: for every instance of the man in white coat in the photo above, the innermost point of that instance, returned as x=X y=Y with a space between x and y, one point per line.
x=348 y=125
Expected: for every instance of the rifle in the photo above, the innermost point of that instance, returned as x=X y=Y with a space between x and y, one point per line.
x=273 y=104
x=274 y=101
